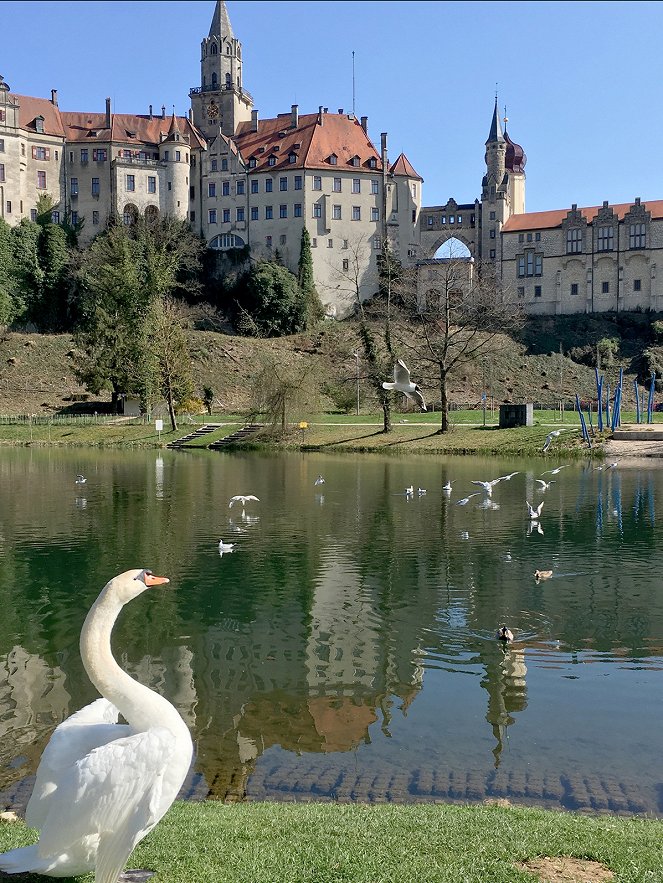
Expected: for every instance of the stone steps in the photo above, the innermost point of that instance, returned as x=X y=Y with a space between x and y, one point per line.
x=205 y=429
x=239 y=435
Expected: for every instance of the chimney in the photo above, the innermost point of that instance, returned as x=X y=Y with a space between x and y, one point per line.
x=637 y=200
x=340 y=111
x=54 y=97
x=151 y=111
x=190 y=115
x=294 y=122
x=320 y=120
x=383 y=153
x=326 y=110
x=163 y=111
x=108 y=113
x=254 y=120
x=364 y=124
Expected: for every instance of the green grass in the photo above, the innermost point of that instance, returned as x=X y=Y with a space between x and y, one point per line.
x=349 y=843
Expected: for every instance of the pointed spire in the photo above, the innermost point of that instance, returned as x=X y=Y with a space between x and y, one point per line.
x=495 y=127
x=220 y=22
x=174 y=126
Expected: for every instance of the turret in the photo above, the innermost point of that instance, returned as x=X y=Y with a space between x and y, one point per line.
x=174 y=150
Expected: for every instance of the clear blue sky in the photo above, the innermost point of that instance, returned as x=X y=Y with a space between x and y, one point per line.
x=582 y=81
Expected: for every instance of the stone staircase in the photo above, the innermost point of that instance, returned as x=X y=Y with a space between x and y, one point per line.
x=202 y=430
x=241 y=434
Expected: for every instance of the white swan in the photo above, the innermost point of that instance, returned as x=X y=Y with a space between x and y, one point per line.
x=102 y=786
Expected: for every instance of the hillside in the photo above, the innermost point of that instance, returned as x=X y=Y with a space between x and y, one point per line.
x=36 y=374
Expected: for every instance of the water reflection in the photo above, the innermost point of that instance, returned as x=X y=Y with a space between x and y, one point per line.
x=347 y=648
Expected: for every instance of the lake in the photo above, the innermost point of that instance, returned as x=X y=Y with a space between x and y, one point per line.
x=345 y=649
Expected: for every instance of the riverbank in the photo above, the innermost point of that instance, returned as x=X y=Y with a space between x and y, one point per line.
x=436 y=843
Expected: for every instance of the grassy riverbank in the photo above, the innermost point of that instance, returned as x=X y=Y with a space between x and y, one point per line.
x=327 y=843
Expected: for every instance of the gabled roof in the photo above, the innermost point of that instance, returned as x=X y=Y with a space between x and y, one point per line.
x=311 y=142
x=555 y=218
x=403 y=166
x=31 y=108
x=147 y=130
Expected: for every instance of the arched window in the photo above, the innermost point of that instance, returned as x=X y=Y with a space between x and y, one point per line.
x=225 y=241
x=129 y=215
x=151 y=213
x=214 y=80
x=227 y=50
x=213 y=49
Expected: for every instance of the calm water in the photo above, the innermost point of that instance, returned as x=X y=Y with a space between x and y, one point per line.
x=344 y=650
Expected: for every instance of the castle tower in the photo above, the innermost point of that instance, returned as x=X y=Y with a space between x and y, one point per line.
x=495 y=207
x=220 y=102
x=174 y=154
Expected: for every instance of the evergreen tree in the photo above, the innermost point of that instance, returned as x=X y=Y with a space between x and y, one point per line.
x=51 y=311
x=268 y=302
x=28 y=276
x=312 y=304
x=6 y=277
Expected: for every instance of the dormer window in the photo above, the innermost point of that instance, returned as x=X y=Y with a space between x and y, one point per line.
x=39 y=125
x=261 y=150
x=354 y=161
x=92 y=134
x=333 y=159
x=276 y=148
x=271 y=161
x=372 y=163
x=292 y=158
x=131 y=134
x=252 y=162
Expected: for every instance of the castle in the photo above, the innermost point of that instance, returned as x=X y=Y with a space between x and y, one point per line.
x=244 y=181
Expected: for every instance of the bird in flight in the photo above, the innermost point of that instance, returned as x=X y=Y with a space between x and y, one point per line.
x=402 y=383
x=508 y=477
x=239 y=498
x=544 y=484
x=534 y=514
x=488 y=485
x=466 y=500
x=554 y=471
x=550 y=437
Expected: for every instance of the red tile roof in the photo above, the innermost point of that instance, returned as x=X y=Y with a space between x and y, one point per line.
x=34 y=107
x=147 y=130
x=552 y=219
x=403 y=166
x=312 y=143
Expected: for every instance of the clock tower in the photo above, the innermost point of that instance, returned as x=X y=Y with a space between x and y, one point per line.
x=220 y=103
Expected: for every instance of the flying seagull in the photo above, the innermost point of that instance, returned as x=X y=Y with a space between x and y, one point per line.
x=550 y=437
x=242 y=499
x=402 y=383
x=466 y=500
x=534 y=514
x=488 y=485
x=544 y=484
x=508 y=477
x=555 y=471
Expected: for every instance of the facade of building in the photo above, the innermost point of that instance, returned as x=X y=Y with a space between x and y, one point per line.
x=244 y=181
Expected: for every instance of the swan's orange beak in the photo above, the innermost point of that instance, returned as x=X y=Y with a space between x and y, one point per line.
x=152 y=580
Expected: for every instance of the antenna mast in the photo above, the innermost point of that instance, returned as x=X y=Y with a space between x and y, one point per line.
x=353 y=81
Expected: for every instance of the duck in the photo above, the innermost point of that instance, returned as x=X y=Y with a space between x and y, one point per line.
x=504 y=634
x=102 y=786
x=542 y=574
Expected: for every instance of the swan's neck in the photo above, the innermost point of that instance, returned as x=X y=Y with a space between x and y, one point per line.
x=141 y=707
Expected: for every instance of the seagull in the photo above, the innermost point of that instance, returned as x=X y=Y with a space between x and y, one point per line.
x=550 y=437
x=542 y=574
x=464 y=535
x=409 y=491
x=488 y=485
x=224 y=548
x=447 y=487
x=544 y=484
x=504 y=634
x=402 y=383
x=319 y=480
x=421 y=491
x=609 y=466
x=534 y=514
x=555 y=471
x=508 y=477
x=241 y=499
x=80 y=479
x=466 y=500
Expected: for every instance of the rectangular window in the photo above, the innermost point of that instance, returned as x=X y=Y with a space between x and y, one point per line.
x=170 y=185
x=74 y=218
x=492 y=253
x=99 y=154
x=41 y=180
x=152 y=185
x=283 y=184
x=283 y=239
x=637 y=236
x=443 y=219
x=178 y=156
x=375 y=186
x=356 y=185
x=605 y=288
x=212 y=216
x=269 y=183
x=330 y=243
x=298 y=182
x=521 y=237
x=298 y=210
x=254 y=185
x=414 y=191
x=574 y=288
x=492 y=216
x=492 y=234
x=239 y=187
x=95 y=187
x=84 y=156
x=537 y=237
x=240 y=213
x=605 y=239
x=538 y=265
x=637 y=285
x=337 y=185
x=521 y=291
x=2 y=148
x=269 y=212
x=346 y=264
x=225 y=188
x=33 y=214
x=131 y=182
x=74 y=186
x=529 y=237
x=317 y=182
x=459 y=218
x=356 y=213
x=165 y=155
x=336 y=212
x=452 y=219
x=268 y=241
x=375 y=214
x=283 y=211
x=521 y=265
x=192 y=215
x=314 y=242
x=254 y=212
x=95 y=218
x=317 y=210
x=226 y=216
x=574 y=240
x=55 y=217
x=2 y=171
x=213 y=165
x=345 y=243
x=211 y=189
x=537 y=291
x=224 y=165
x=42 y=153
x=377 y=243
x=9 y=207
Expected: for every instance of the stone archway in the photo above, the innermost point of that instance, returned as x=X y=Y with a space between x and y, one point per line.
x=453 y=248
x=439 y=224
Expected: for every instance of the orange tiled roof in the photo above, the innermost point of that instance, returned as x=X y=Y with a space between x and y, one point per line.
x=549 y=220
x=34 y=107
x=311 y=143
x=146 y=130
x=403 y=166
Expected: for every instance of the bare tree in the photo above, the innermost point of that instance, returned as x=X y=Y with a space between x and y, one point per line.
x=454 y=315
x=279 y=389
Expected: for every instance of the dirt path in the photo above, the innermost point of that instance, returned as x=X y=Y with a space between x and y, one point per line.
x=632 y=453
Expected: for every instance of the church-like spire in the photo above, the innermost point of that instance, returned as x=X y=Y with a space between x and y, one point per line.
x=495 y=127
x=220 y=22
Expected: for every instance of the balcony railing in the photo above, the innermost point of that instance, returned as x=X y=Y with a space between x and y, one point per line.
x=221 y=87
x=137 y=161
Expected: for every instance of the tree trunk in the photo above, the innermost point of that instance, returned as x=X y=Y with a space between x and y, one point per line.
x=171 y=412
x=444 y=402
x=386 y=412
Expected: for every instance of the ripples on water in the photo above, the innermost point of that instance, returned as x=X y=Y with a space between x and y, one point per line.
x=345 y=648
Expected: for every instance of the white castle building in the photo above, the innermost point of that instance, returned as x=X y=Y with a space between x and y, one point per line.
x=244 y=181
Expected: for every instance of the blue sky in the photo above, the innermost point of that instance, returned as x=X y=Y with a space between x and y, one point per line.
x=582 y=81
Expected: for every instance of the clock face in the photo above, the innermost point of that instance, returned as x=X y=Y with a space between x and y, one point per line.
x=212 y=111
